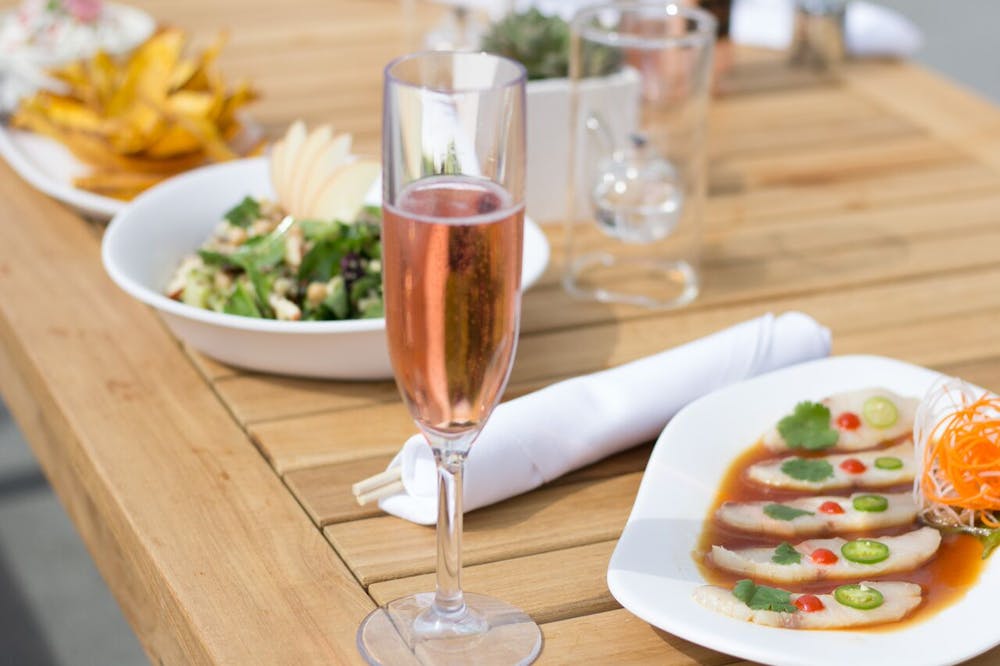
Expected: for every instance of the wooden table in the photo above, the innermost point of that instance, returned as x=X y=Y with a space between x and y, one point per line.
x=216 y=503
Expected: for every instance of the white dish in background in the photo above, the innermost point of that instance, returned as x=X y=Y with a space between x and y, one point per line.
x=652 y=572
x=145 y=243
x=50 y=167
x=34 y=39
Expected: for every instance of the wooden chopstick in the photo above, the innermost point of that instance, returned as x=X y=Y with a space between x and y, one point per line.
x=378 y=486
x=379 y=493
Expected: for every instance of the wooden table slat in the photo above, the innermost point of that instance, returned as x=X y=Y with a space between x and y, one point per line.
x=547 y=519
x=549 y=586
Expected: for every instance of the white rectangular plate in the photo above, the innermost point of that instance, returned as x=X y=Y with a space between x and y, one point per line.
x=652 y=572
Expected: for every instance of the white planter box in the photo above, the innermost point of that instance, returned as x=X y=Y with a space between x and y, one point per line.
x=615 y=99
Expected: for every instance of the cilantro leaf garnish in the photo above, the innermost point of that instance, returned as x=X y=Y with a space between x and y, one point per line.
x=808 y=427
x=784 y=512
x=744 y=589
x=244 y=213
x=804 y=469
x=785 y=554
x=761 y=597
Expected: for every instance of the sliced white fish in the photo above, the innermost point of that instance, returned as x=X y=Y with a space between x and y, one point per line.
x=770 y=473
x=898 y=600
x=865 y=436
x=753 y=516
x=906 y=552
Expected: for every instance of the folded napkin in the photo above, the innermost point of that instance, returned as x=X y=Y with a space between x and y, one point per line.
x=540 y=436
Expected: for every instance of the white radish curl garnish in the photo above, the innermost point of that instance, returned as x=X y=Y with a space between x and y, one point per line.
x=957 y=438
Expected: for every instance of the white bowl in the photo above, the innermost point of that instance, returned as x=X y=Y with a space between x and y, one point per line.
x=144 y=244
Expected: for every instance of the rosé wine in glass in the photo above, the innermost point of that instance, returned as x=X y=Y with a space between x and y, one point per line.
x=451 y=249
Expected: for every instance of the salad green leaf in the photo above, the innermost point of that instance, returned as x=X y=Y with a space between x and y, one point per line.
x=320 y=229
x=761 y=597
x=805 y=469
x=260 y=252
x=336 y=299
x=338 y=262
x=322 y=262
x=244 y=213
x=373 y=310
x=240 y=302
x=784 y=512
x=785 y=554
x=808 y=427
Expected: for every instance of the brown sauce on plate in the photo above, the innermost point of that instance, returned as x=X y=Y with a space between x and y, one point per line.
x=944 y=578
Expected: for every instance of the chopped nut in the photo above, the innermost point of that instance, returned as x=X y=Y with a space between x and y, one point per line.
x=284 y=309
x=261 y=227
x=294 y=245
x=315 y=293
x=283 y=286
x=223 y=281
x=271 y=210
x=176 y=285
x=235 y=235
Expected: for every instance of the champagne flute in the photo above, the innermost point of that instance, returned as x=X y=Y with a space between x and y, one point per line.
x=452 y=233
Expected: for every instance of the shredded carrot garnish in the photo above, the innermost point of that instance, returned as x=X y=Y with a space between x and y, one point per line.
x=961 y=460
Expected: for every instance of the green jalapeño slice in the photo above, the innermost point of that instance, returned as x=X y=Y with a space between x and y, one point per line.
x=865 y=551
x=888 y=462
x=857 y=596
x=879 y=412
x=871 y=503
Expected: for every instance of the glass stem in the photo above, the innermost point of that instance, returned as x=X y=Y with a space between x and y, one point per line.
x=448 y=598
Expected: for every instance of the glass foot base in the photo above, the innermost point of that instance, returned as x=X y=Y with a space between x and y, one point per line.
x=408 y=631
x=642 y=281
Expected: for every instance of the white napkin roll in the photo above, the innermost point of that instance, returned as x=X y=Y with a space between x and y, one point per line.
x=540 y=436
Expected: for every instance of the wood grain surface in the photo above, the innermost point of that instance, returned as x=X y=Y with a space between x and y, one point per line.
x=216 y=501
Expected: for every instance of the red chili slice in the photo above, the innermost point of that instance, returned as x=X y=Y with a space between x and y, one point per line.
x=853 y=466
x=830 y=507
x=809 y=603
x=848 y=421
x=824 y=556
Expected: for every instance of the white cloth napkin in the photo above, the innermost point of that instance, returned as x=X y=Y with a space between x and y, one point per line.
x=540 y=436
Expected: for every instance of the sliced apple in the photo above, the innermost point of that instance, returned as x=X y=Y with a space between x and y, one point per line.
x=342 y=196
x=317 y=142
x=337 y=155
x=294 y=138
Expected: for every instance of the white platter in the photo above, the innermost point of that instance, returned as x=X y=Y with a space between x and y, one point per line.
x=50 y=167
x=146 y=241
x=652 y=572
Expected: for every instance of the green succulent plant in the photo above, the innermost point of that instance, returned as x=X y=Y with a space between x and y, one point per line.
x=537 y=41
x=541 y=43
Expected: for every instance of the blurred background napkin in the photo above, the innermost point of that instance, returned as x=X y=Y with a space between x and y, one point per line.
x=540 y=436
x=870 y=30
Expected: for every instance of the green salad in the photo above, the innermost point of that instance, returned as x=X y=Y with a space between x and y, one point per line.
x=261 y=263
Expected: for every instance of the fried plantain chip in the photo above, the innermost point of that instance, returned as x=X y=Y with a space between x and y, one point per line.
x=144 y=118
